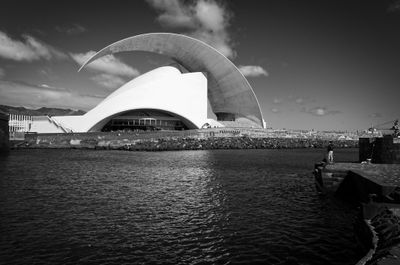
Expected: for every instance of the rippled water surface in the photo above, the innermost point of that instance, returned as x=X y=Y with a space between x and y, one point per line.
x=182 y=207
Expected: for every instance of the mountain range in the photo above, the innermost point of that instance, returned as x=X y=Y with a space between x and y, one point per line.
x=40 y=112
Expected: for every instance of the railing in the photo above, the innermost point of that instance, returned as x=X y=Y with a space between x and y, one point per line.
x=59 y=125
x=19 y=123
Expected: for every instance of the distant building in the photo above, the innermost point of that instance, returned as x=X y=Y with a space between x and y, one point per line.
x=19 y=123
x=168 y=97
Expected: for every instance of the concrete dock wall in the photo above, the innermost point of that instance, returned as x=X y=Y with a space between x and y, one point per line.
x=381 y=150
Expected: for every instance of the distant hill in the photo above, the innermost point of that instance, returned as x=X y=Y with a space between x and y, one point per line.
x=40 y=112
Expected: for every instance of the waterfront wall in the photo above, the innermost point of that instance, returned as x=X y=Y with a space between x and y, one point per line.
x=380 y=150
x=171 y=141
x=4 y=136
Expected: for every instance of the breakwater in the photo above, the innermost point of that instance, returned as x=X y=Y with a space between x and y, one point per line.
x=374 y=187
x=172 y=141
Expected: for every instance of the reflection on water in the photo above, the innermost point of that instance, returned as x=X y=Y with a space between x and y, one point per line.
x=221 y=206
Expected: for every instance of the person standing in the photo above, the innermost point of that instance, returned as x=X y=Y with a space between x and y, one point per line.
x=330 y=152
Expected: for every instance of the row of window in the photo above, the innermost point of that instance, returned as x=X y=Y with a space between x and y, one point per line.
x=146 y=122
x=143 y=125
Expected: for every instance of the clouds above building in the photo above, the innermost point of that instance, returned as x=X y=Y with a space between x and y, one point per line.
x=207 y=21
x=73 y=29
x=111 y=71
x=108 y=64
x=28 y=49
x=108 y=80
x=252 y=70
x=43 y=95
x=320 y=111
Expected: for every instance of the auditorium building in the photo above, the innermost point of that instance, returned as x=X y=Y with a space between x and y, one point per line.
x=174 y=97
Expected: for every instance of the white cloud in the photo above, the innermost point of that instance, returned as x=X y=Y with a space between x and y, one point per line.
x=108 y=81
x=174 y=14
x=321 y=111
x=206 y=20
x=252 y=70
x=375 y=115
x=73 y=29
x=29 y=50
x=52 y=87
x=33 y=96
x=299 y=101
x=275 y=110
x=211 y=15
x=107 y=64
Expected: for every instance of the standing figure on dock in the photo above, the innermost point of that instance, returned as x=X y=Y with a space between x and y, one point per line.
x=330 y=152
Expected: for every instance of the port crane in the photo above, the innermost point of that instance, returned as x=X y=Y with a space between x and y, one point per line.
x=395 y=127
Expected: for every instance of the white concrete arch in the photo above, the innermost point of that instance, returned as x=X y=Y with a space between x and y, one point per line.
x=228 y=90
x=164 y=89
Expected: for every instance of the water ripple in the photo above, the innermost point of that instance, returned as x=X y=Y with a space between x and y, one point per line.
x=189 y=207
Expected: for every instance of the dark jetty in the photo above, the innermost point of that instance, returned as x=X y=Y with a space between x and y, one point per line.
x=375 y=188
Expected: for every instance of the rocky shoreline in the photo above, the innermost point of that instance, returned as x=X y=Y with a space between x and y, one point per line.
x=381 y=235
x=134 y=143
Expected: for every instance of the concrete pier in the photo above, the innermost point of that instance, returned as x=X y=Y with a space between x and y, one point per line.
x=384 y=149
x=361 y=180
x=4 y=136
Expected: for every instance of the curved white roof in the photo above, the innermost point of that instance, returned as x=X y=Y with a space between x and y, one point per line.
x=228 y=90
x=163 y=89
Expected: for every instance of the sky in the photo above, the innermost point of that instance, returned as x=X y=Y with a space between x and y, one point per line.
x=317 y=64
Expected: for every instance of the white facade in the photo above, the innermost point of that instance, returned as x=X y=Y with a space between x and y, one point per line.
x=166 y=89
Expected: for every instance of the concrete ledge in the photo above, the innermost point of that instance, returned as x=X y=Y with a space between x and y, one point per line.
x=377 y=188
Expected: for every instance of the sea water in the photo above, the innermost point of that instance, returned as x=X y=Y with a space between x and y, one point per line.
x=179 y=207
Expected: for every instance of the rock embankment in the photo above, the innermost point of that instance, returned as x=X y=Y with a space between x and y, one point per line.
x=125 y=142
x=386 y=224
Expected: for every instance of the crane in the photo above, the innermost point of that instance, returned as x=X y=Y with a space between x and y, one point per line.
x=395 y=128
